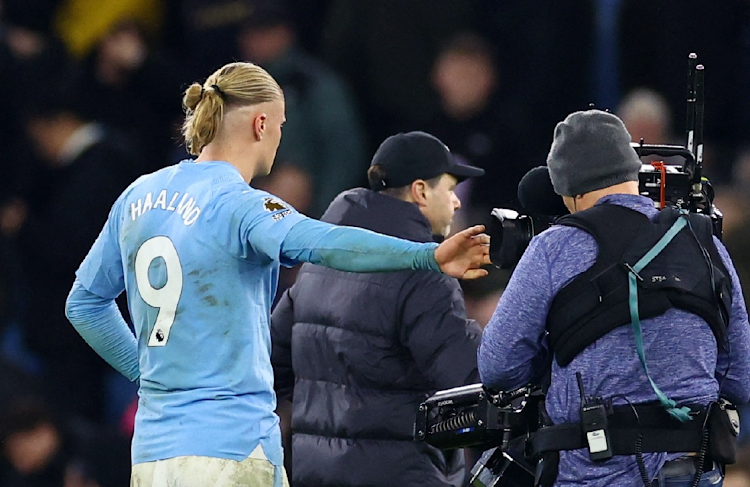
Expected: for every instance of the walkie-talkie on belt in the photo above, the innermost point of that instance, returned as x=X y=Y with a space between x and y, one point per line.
x=594 y=424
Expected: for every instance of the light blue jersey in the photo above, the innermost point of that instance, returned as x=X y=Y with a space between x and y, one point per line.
x=198 y=252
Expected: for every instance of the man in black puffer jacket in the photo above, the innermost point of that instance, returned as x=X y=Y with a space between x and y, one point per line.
x=358 y=353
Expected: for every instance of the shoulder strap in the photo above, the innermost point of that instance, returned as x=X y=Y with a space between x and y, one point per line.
x=681 y=413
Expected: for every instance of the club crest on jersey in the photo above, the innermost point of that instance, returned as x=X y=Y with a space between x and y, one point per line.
x=272 y=204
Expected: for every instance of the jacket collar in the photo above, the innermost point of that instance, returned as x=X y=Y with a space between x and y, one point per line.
x=380 y=213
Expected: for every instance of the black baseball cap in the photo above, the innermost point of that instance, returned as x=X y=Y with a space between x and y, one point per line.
x=409 y=156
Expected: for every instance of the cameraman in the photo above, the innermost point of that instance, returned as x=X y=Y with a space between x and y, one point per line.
x=534 y=332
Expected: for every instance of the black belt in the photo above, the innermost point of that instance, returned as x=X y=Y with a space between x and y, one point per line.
x=657 y=431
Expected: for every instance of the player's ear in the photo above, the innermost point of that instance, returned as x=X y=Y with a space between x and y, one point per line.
x=259 y=125
x=418 y=192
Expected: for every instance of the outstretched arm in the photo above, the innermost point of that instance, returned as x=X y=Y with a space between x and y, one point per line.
x=357 y=250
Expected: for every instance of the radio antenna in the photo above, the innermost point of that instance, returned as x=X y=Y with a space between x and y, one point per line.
x=699 y=107
x=698 y=141
x=690 y=124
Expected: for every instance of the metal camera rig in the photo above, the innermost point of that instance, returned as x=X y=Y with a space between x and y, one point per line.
x=679 y=185
x=683 y=186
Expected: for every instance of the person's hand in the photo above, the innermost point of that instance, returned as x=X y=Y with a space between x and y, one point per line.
x=464 y=253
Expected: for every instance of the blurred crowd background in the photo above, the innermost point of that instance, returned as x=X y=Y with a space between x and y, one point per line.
x=90 y=94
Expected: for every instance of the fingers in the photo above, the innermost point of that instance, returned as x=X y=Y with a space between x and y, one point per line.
x=483 y=238
x=483 y=242
x=474 y=274
x=463 y=254
x=472 y=231
x=480 y=259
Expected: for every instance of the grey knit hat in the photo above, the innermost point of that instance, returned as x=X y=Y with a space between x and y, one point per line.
x=591 y=150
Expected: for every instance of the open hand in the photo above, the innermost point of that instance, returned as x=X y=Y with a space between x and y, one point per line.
x=464 y=253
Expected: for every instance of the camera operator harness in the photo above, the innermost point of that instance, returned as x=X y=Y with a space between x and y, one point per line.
x=643 y=269
x=630 y=250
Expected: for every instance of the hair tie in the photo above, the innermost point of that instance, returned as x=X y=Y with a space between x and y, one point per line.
x=218 y=91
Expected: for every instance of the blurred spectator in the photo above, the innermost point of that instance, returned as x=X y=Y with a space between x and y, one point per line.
x=479 y=122
x=476 y=120
x=87 y=166
x=27 y=54
x=322 y=134
x=127 y=84
x=39 y=449
x=646 y=115
x=545 y=49
x=290 y=183
x=656 y=38
x=81 y=24
x=204 y=32
x=733 y=201
x=33 y=450
x=385 y=49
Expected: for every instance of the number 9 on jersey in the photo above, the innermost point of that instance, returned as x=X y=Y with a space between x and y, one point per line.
x=166 y=297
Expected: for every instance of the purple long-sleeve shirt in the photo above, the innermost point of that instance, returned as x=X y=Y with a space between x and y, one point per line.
x=680 y=348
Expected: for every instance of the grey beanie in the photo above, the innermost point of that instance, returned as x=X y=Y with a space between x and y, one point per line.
x=591 y=150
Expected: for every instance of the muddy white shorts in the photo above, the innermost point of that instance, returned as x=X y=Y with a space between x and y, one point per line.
x=194 y=471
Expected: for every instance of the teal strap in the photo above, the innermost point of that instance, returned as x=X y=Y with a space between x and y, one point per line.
x=682 y=413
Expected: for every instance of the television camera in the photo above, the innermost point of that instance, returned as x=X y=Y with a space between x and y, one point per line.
x=681 y=186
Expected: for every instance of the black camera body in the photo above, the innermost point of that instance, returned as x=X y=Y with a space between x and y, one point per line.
x=475 y=416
